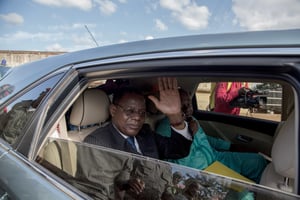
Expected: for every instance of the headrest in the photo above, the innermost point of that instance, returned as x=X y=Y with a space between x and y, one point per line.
x=92 y=107
x=283 y=150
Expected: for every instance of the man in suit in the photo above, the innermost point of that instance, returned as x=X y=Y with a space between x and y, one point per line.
x=128 y=111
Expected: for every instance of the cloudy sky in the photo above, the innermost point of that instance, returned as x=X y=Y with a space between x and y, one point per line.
x=70 y=25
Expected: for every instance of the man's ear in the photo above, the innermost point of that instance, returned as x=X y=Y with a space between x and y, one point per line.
x=112 y=109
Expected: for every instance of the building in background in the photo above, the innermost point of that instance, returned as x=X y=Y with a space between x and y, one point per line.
x=14 y=58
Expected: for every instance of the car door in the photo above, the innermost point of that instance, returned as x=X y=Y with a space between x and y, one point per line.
x=22 y=118
x=188 y=70
x=21 y=180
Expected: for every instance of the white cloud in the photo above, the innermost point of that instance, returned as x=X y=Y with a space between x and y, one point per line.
x=267 y=14
x=106 y=7
x=71 y=27
x=175 y=5
x=194 y=17
x=12 y=18
x=160 y=25
x=83 y=40
x=151 y=6
x=78 y=42
x=81 y=4
x=55 y=47
x=188 y=13
x=78 y=26
x=21 y=35
x=123 y=1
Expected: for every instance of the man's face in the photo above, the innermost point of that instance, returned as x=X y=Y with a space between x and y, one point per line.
x=128 y=114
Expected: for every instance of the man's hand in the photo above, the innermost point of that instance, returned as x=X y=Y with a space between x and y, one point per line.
x=135 y=185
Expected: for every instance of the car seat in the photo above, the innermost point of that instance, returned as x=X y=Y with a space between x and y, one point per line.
x=153 y=115
x=281 y=171
x=89 y=111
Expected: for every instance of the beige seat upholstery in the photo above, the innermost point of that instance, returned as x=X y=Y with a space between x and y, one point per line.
x=91 y=108
x=89 y=111
x=153 y=119
x=281 y=171
x=153 y=115
x=60 y=130
x=52 y=151
x=62 y=154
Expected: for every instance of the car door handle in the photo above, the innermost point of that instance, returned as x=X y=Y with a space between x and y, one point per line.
x=244 y=138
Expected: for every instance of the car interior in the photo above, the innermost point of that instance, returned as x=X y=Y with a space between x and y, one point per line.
x=274 y=139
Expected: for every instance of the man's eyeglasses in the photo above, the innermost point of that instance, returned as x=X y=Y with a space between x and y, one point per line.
x=130 y=112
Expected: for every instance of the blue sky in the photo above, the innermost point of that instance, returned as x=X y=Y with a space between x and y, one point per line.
x=60 y=25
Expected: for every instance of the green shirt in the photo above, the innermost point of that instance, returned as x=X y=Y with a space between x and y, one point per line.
x=203 y=149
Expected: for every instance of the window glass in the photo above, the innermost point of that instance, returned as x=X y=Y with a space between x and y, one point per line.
x=15 y=116
x=259 y=100
x=104 y=173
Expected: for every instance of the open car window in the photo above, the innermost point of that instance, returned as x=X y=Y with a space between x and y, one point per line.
x=103 y=173
x=100 y=173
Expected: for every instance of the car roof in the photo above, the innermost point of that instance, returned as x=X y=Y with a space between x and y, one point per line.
x=31 y=72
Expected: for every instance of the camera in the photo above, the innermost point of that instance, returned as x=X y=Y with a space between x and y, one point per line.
x=251 y=99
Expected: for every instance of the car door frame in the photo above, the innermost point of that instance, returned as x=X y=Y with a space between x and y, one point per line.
x=171 y=65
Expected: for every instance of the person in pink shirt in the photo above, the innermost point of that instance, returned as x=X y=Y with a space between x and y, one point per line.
x=225 y=92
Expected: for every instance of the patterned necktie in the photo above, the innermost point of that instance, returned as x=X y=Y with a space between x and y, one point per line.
x=130 y=140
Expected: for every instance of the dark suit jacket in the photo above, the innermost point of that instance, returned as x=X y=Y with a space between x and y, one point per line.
x=151 y=144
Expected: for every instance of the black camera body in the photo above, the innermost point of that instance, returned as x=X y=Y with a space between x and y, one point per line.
x=251 y=99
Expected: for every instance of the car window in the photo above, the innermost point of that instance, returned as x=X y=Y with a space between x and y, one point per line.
x=259 y=100
x=103 y=173
x=98 y=171
x=15 y=115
